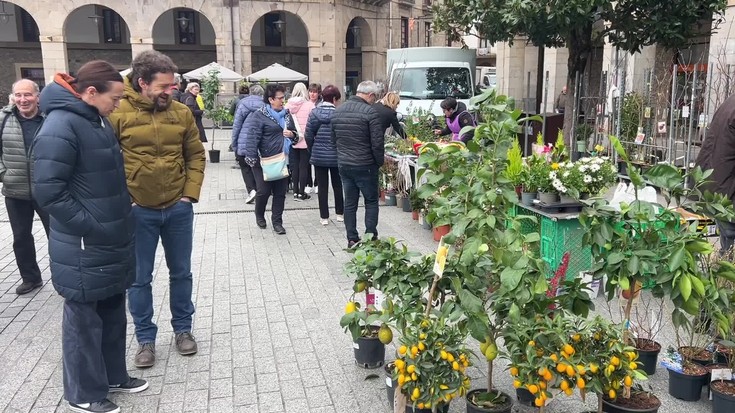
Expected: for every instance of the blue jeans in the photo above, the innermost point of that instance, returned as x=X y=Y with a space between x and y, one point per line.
x=357 y=180
x=174 y=226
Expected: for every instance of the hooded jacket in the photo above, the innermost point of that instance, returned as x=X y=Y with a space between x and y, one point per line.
x=265 y=136
x=164 y=158
x=358 y=134
x=245 y=108
x=718 y=150
x=300 y=109
x=79 y=179
x=319 y=136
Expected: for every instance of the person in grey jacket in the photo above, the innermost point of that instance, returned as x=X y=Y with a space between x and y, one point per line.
x=246 y=107
x=20 y=123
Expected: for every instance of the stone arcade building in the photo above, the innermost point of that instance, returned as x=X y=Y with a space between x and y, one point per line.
x=340 y=42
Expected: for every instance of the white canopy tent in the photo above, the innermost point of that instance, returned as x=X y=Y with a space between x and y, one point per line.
x=224 y=74
x=277 y=73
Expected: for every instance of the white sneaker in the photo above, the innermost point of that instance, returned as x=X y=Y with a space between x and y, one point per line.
x=324 y=222
x=340 y=218
x=251 y=197
x=308 y=189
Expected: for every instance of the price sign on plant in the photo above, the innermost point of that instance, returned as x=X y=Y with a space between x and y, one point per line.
x=441 y=258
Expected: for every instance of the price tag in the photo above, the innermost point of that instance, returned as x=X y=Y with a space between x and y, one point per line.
x=661 y=127
x=711 y=229
x=721 y=374
x=370 y=299
x=647 y=112
x=356 y=346
x=441 y=258
x=388 y=382
x=640 y=137
x=378 y=299
x=685 y=111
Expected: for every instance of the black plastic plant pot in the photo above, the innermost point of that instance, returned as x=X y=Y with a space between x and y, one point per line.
x=504 y=408
x=723 y=398
x=443 y=409
x=686 y=387
x=390 y=386
x=214 y=155
x=649 y=358
x=609 y=406
x=369 y=352
x=407 y=205
x=524 y=397
x=390 y=199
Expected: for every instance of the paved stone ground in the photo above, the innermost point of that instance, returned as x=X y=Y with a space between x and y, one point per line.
x=267 y=320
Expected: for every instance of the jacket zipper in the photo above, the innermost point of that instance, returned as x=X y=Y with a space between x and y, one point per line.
x=158 y=151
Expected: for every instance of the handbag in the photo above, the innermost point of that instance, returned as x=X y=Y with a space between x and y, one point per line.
x=274 y=167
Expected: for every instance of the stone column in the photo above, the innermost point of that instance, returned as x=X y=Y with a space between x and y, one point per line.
x=246 y=53
x=512 y=64
x=556 y=63
x=140 y=44
x=370 y=68
x=53 y=51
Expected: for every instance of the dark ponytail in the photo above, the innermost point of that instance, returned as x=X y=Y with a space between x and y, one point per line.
x=96 y=73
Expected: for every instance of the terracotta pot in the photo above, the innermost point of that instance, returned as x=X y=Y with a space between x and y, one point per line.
x=441 y=231
x=415 y=215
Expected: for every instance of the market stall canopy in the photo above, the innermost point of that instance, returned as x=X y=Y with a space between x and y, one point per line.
x=277 y=73
x=224 y=75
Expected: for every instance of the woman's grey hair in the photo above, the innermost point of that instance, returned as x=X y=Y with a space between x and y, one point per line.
x=369 y=87
x=300 y=90
x=192 y=85
x=256 y=90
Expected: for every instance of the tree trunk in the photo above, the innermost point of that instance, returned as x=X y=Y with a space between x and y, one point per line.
x=579 y=44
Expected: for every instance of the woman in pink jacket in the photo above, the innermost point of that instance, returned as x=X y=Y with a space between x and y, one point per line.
x=300 y=107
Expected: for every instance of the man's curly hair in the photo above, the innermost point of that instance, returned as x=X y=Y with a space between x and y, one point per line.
x=146 y=64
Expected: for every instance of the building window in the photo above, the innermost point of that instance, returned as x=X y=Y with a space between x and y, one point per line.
x=111 y=26
x=404 y=32
x=272 y=36
x=186 y=29
x=427 y=33
x=33 y=73
x=29 y=28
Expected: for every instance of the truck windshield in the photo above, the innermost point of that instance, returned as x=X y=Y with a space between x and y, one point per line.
x=432 y=82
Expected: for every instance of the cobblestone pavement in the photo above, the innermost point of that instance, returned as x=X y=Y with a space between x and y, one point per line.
x=267 y=320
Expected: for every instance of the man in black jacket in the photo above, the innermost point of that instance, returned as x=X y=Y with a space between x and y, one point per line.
x=718 y=153
x=358 y=135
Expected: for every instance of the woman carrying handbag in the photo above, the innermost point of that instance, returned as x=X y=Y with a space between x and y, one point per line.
x=265 y=153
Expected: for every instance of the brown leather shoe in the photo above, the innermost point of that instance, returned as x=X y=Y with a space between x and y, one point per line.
x=186 y=344
x=146 y=356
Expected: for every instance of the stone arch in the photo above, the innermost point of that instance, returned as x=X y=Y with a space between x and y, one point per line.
x=22 y=57
x=357 y=36
x=96 y=32
x=187 y=36
x=288 y=47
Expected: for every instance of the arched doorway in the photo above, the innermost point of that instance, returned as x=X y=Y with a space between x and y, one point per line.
x=280 y=37
x=186 y=36
x=357 y=67
x=20 y=48
x=95 y=32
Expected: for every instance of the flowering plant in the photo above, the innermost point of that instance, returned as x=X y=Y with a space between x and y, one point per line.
x=597 y=173
x=536 y=175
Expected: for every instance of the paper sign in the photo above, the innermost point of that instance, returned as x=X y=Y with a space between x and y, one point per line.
x=388 y=382
x=662 y=127
x=685 y=111
x=370 y=299
x=721 y=374
x=647 y=112
x=702 y=120
x=441 y=258
x=640 y=137
x=378 y=298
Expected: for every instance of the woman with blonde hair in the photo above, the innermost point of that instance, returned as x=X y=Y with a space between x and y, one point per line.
x=386 y=108
x=190 y=100
x=300 y=107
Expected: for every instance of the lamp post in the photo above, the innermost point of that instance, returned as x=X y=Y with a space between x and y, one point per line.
x=4 y=16
x=183 y=22
x=279 y=25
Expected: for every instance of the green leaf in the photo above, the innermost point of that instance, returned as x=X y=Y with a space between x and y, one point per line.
x=624 y=283
x=634 y=265
x=510 y=278
x=677 y=259
x=470 y=302
x=615 y=258
x=541 y=285
x=697 y=285
x=532 y=237
x=514 y=314
x=685 y=286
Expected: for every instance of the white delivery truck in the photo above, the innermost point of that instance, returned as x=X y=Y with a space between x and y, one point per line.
x=424 y=76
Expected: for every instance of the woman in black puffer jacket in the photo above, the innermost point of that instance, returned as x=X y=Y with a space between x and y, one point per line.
x=324 y=153
x=270 y=132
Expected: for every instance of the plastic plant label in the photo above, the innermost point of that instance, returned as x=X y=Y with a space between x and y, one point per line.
x=378 y=298
x=356 y=346
x=370 y=299
x=721 y=374
x=640 y=137
x=647 y=112
x=685 y=111
x=441 y=258
x=661 y=127
x=388 y=382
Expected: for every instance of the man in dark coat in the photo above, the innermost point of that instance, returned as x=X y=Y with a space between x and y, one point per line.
x=18 y=126
x=718 y=154
x=358 y=134
x=79 y=179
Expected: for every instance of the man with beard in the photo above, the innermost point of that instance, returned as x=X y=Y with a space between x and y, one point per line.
x=164 y=165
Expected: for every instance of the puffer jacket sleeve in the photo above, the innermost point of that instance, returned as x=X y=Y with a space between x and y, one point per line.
x=54 y=160
x=191 y=102
x=194 y=158
x=254 y=137
x=312 y=127
x=241 y=114
x=377 y=136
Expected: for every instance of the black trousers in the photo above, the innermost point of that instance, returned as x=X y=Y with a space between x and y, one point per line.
x=265 y=190
x=93 y=345
x=322 y=177
x=20 y=214
x=301 y=169
x=247 y=174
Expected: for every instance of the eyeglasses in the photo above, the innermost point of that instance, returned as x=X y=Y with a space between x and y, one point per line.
x=278 y=97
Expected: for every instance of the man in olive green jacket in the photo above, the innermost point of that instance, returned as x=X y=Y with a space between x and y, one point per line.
x=164 y=165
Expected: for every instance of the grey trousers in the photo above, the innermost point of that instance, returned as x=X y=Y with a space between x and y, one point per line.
x=93 y=345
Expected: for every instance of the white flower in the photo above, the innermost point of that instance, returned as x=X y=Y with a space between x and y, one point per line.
x=598 y=160
x=552 y=174
x=587 y=179
x=565 y=174
x=569 y=165
x=583 y=168
x=595 y=167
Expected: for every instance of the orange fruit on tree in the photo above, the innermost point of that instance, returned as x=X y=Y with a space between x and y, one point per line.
x=568 y=349
x=633 y=365
x=580 y=383
x=532 y=388
x=542 y=385
x=539 y=402
x=411 y=368
x=561 y=367
x=569 y=391
x=581 y=370
x=517 y=384
x=611 y=394
x=548 y=376
x=554 y=357
x=628 y=381
x=570 y=371
x=564 y=385
x=402 y=350
x=513 y=371
x=593 y=368
x=615 y=361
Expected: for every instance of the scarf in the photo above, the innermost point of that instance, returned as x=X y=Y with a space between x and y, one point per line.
x=279 y=116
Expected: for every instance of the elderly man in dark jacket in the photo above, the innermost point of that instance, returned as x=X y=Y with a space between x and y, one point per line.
x=246 y=107
x=718 y=153
x=359 y=136
x=18 y=126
